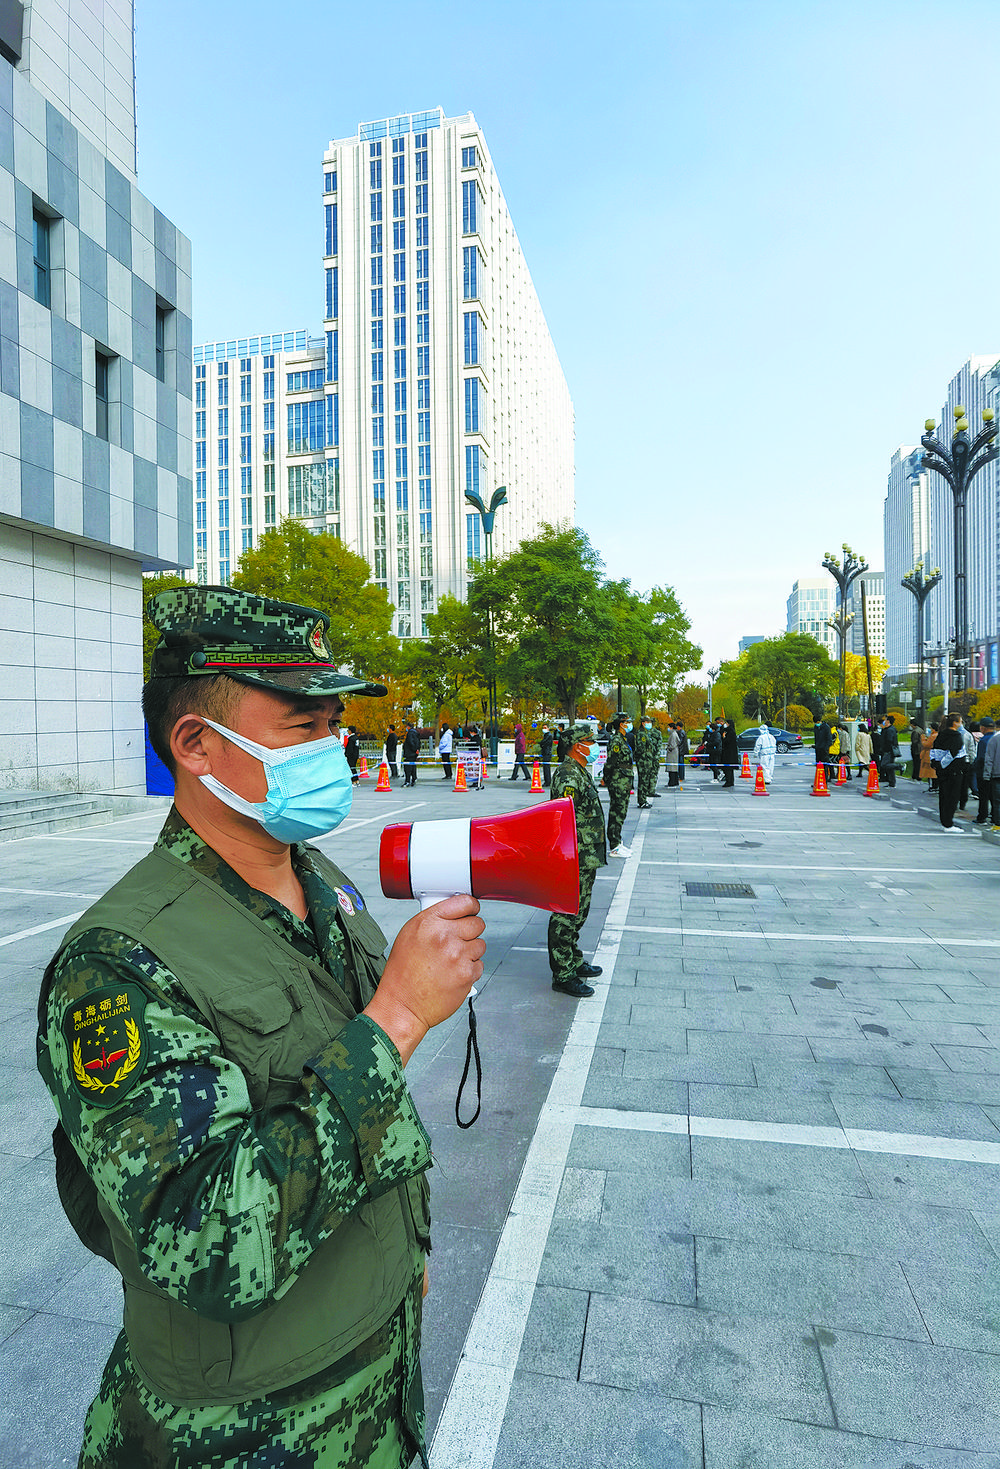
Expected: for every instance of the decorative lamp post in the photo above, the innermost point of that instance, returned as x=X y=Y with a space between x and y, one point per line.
x=844 y=573
x=921 y=586
x=498 y=498
x=712 y=674
x=958 y=466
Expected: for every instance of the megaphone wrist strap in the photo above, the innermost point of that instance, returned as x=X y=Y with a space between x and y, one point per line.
x=471 y=1050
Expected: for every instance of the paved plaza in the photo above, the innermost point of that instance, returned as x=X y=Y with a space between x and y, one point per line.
x=740 y=1210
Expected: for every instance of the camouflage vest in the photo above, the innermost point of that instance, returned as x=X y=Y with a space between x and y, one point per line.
x=354 y=1280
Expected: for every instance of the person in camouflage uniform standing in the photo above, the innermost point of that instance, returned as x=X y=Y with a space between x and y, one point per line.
x=646 y=762
x=572 y=778
x=618 y=779
x=224 y=1044
x=657 y=739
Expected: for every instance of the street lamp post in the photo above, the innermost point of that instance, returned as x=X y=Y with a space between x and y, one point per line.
x=487 y=515
x=921 y=586
x=712 y=674
x=958 y=467
x=844 y=573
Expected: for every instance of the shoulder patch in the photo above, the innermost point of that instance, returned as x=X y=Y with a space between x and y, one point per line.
x=106 y=1038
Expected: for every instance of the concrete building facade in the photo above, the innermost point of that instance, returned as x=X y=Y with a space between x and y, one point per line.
x=874 y=613
x=95 y=386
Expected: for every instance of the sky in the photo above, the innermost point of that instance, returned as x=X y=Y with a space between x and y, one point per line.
x=763 y=233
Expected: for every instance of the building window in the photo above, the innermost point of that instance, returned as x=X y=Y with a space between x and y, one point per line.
x=101 y=375
x=307 y=427
x=468 y=157
x=471 y=202
x=331 y=229
x=471 y=405
x=162 y=312
x=473 y=464
x=332 y=293
x=41 y=231
x=473 y=526
x=330 y=181
x=471 y=339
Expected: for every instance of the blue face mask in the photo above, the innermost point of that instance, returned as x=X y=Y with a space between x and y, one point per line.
x=592 y=753
x=628 y=727
x=309 y=789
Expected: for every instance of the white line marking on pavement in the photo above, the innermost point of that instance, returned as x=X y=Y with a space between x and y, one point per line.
x=27 y=933
x=527 y=949
x=945 y=940
x=469 y=1427
x=859 y=1140
x=762 y=862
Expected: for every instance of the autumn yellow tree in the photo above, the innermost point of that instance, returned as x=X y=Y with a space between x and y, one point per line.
x=856 y=676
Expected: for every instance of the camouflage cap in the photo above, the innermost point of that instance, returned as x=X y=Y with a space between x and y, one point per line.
x=257 y=640
x=582 y=731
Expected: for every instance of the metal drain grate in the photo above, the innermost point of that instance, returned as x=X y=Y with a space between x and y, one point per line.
x=719 y=890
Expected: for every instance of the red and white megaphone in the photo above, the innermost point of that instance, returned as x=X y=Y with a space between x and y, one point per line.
x=527 y=857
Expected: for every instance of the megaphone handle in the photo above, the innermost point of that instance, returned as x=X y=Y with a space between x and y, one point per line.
x=427 y=900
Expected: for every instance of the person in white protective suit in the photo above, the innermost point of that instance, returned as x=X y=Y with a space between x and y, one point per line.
x=763 y=752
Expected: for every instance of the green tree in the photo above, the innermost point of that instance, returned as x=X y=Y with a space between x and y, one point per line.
x=164 y=581
x=551 y=622
x=449 y=662
x=780 y=669
x=648 y=647
x=292 y=564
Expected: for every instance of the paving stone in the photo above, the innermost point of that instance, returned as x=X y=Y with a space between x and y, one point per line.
x=960 y=1307
x=553 y=1424
x=736 y=1439
x=643 y=1064
x=928 y=1119
x=655 y=1154
x=704 y=1357
x=985 y=1060
x=947 y=1086
x=42 y=1410
x=780 y=1165
x=926 y=1394
x=833 y=1078
x=581 y=1195
x=553 y=1336
x=627 y=1094
x=760 y=1104
x=944 y=1181
x=651 y=1263
x=719 y=1043
x=811 y=1287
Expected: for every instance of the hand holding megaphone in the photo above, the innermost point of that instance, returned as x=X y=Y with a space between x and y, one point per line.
x=431 y=969
x=526 y=857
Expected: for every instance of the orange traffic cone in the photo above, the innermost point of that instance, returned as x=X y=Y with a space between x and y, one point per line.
x=484 y=766
x=460 y=781
x=363 y=769
x=745 y=771
x=382 y=784
x=536 y=781
x=760 y=785
x=819 y=784
x=842 y=772
x=872 y=787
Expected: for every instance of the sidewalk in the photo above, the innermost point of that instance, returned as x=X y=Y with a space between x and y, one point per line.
x=759 y=1224
x=741 y=1210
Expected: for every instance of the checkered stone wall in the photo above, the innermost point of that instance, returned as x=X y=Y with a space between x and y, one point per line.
x=121 y=487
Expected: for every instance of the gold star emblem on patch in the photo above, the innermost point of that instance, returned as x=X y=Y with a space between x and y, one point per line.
x=317 y=641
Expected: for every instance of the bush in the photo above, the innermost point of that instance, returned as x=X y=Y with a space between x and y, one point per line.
x=798 y=718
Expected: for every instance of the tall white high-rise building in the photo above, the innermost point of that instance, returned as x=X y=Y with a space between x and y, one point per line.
x=260 y=445
x=874 y=615
x=906 y=525
x=441 y=375
x=813 y=599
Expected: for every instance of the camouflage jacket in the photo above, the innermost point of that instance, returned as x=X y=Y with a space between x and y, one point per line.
x=574 y=780
x=226 y=1179
x=646 y=751
x=618 y=766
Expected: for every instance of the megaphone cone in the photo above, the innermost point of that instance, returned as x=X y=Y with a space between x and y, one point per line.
x=526 y=857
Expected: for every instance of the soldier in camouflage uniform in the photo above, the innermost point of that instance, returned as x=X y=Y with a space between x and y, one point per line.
x=618 y=779
x=646 y=762
x=657 y=739
x=224 y=1044
x=572 y=778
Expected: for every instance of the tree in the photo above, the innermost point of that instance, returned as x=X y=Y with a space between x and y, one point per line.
x=770 y=672
x=987 y=703
x=164 y=581
x=449 y=661
x=648 y=646
x=551 y=622
x=856 y=676
x=689 y=705
x=292 y=564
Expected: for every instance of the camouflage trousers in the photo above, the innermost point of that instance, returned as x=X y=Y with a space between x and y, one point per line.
x=618 y=790
x=372 y=1418
x=646 y=783
x=565 y=955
